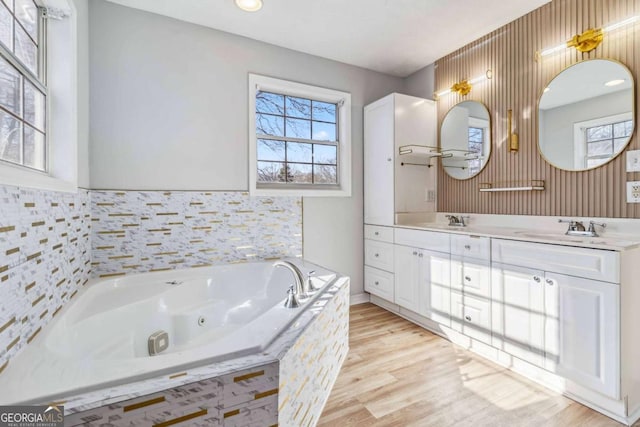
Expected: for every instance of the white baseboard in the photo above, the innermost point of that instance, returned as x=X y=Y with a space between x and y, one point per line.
x=358 y=298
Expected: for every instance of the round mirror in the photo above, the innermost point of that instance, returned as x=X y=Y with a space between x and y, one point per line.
x=465 y=139
x=586 y=115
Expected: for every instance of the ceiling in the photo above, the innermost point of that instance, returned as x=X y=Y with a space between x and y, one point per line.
x=585 y=80
x=396 y=37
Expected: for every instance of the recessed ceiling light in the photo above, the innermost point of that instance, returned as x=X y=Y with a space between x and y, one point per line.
x=546 y=89
x=614 y=82
x=249 y=5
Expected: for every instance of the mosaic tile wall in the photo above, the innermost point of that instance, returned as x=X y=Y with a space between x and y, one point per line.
x=44 y=260
x=243 y=398
x=310 y=368
x=139 y=231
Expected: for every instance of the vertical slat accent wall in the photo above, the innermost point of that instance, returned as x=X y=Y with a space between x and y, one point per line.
x=518 y=81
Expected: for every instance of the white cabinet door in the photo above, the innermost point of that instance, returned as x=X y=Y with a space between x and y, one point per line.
x=518 y=312
x=582 y=337
x=378 y=282
x=435 y=286
x=471 y=275
x=407 y=277
x=378 y=162
x=471 y=316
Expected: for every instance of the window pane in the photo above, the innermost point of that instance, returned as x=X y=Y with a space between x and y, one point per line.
x=324 y=131
x=324 y=111
x=591 y=163
x=599 y=132
x=475 y=135
x=298 y=128
x=298 y=107
x=27 y=14
x=6 y=28
x=269 y=125
x=271 y=172
x=622 y=129
x=325 y=154
x=34 y=106
x=619 y=144
x=271 y=150
x=299 y=173
x=26 y=50
x=298 y=152
x=599 y=148
x=10 y=135
x=270 y=103
x=324 y=174
x=34 y=150
x=10 y=87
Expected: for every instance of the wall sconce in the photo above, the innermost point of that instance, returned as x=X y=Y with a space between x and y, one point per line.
x=463 y=87
x=588 y=40
x=512 y=137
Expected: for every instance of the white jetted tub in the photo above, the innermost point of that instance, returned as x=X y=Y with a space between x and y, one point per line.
x=102 y=337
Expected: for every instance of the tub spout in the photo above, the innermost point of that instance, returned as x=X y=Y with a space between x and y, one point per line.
x=301 y=285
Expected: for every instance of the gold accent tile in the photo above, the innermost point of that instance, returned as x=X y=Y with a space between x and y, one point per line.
x=44 y=313
x=159 y=269
x=208 y=213
x=266 y=393
x=43 y=241
x=37 y=223
x=112 y=274
x=167 y=213
x=196 y=204
x=60 y=283
x=120 y=257
x=131 y=266
x=6 y=325
x=159 y=230
x=58 y=220
x=242 y=212
x=131 y=225
x=200 y=413
x=231 y=413
x=12 y=343
x=154 y=244
x=37 y=300
x=54 y=204
x=174 y=376
x=196 y=241
x=31 y=338
x=201 y=228
x=143 y=404
x=4 y=278
x=29 y=205
x=175 y=223
x=166 y=253
x=102 y=248
x=2 y=368
x=73 y=294
x=112 y=232
x=12 y=251
x=215 y=221
x=57 y=311
x=7 y=228
x=23 y=234
x=234 y=203
x=248 y=376
x=55 y=270
x=120 y=214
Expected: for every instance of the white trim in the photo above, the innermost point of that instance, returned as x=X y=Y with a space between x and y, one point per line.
x=359 y=298
x=579 y=141
x=258 y=82
x=62 y=112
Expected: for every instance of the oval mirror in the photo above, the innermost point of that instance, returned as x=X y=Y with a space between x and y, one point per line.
x=586 y=115
x=465 y=139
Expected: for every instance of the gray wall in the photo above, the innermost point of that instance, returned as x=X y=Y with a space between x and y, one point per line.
x=82 y=9
x=169 y=106
x=421 y=83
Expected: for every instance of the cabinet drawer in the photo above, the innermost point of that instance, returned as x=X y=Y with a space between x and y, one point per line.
x=378 y=255
x=473 y=276
x=375 y=232
x=423 y=239
x=596 y=264
x=378 y=282
x=471 y=316
x=473 y=246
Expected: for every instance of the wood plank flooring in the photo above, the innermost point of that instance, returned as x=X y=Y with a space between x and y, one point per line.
x=399 y=374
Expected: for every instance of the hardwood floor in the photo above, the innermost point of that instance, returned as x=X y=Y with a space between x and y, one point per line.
x=398 y=374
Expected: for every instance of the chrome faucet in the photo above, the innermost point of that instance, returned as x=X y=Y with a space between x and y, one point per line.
x=457 y=221
x=301 y=289
x=577 y=228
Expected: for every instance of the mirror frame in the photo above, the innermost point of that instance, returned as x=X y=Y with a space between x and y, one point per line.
x=633 y=114
x=490 y=142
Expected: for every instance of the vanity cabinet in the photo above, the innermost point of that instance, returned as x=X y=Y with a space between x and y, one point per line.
x=390 y=123
x=568 y=324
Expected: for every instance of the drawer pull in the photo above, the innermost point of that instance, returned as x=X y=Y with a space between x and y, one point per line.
x=536 y=279
x=420 y=254
x=376 y=233
x=468 y=247
x=415 y=253
x=376 y=283
x=377 y=255
x=549 y=282
x=467 y=318
x=467 y=278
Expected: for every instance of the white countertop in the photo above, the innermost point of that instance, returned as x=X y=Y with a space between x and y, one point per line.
x=607 y=241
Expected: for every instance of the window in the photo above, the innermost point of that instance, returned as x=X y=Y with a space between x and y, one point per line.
x=39 y=93
x=599 y=140
x=22 y=89
x=476 y=142
x=300 y=139
x=604 y=141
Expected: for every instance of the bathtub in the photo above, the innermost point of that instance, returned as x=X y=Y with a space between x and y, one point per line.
x=101 y=338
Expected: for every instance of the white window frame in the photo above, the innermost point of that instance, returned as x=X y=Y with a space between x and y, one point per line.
x=580 y=140
x=62 y=107
x=285 y=87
